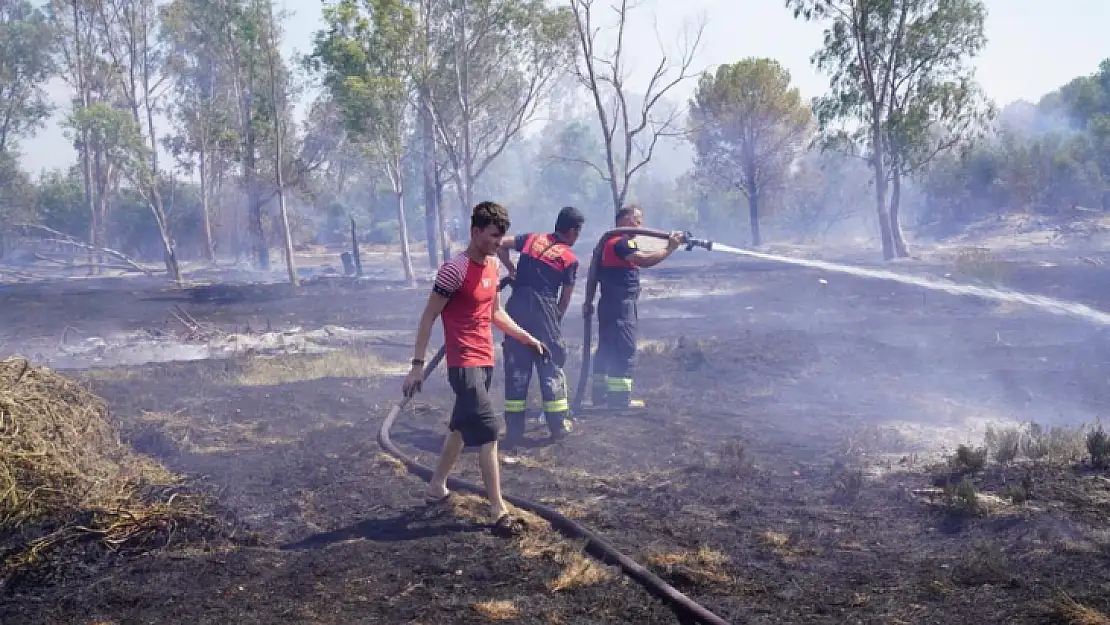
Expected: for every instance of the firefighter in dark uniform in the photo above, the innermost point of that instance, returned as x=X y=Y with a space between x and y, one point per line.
x=619 y=280
x=543 y=282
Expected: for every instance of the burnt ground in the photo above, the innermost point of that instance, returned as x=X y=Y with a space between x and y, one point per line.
x=782 y=473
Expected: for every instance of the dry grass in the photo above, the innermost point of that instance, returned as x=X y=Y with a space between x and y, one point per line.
x=653 y=347
x=65 y=475
x=979 y=265
x=704 y=566
x=686 y=354
x=497 y=610
x=775 y=539
x=394 y=464
x=111 y=373
x=277 y=370
x=1031 y=441
x=619 y=482
x=1074 y=613
x=540 y=540
x=197 y=437
x=579 y=571
x=783 y=547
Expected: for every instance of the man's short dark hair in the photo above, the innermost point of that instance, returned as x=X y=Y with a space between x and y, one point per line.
x=490 y=214
x=627 y=212
x=569 y=218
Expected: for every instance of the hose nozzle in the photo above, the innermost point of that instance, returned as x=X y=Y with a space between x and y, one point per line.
x=692 y=242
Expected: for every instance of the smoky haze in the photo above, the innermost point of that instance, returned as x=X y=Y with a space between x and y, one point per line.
x=189 y=162
x=873 y=396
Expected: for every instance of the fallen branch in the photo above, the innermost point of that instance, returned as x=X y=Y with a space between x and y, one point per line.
x=71 y=264
x=196 y=330
x=61 y=237
x=22 y=275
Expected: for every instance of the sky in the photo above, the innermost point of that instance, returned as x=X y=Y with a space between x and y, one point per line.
x=1034 y=46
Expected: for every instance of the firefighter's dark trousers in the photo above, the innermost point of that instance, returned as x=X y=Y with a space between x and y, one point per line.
x=520 y=361
x=615 y=359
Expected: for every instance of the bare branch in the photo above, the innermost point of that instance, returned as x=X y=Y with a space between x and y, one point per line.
x=61 y=237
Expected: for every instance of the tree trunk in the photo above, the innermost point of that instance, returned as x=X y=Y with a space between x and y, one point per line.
x=703 y=211
x=102 y=215
x=896 y=236
x=406 y=253
x=86 y=163
x=290 y=261
x=94 y=229
x=260 y=249
x=753 y=209
x=431 y=207
x=468 y=197
x=464 y=175
x=877 y=165
x=441 y=219
x=356 y=253
x=237 y=232
x=155 y=200
x=209 y=246
x=283 y=214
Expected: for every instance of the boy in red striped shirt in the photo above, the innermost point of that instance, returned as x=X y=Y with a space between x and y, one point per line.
x=465 y=296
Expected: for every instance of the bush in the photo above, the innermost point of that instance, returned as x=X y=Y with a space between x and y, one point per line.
x=384 y=233
x=65 y=475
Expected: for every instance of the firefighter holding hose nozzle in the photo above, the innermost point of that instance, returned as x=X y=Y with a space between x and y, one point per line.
x=543 y=282
x=619 y=280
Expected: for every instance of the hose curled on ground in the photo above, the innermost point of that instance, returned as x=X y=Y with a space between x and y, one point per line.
x=687 y=610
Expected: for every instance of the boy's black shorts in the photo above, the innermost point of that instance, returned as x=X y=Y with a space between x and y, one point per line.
x=473 y=416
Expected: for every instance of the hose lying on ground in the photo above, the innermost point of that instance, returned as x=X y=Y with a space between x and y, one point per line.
x=687 y=610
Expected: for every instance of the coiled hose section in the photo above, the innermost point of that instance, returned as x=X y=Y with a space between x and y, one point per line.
x=687 y=610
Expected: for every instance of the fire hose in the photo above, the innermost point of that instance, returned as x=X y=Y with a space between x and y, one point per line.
x=688 y=611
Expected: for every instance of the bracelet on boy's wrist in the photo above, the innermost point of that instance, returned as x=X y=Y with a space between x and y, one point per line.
x=418 y=362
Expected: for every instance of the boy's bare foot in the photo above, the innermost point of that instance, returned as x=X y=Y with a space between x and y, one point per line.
x=498 y=511
x=507 y=525
x=436 y=495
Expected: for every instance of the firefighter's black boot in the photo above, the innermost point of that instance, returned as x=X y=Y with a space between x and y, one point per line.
x=559 y=424
x=515 y=424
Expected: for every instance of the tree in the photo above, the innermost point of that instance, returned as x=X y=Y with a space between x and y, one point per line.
x=112 y=136
x=500 y=59
x=748 y=125
x=899 y=70
x=126 y=32
x=203 y=106
x=1086 y=103
x=85 y=73
x=17 y=195
x=279 y=164
x=27 y=46
x=368 y=57
x=825 y=190
x=564 y=176
x=629 y=133
x=434 y=223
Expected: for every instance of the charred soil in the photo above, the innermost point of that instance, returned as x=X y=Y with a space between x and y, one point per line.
x=785 y=469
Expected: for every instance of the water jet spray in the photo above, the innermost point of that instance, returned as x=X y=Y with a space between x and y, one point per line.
x=1048 y=304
